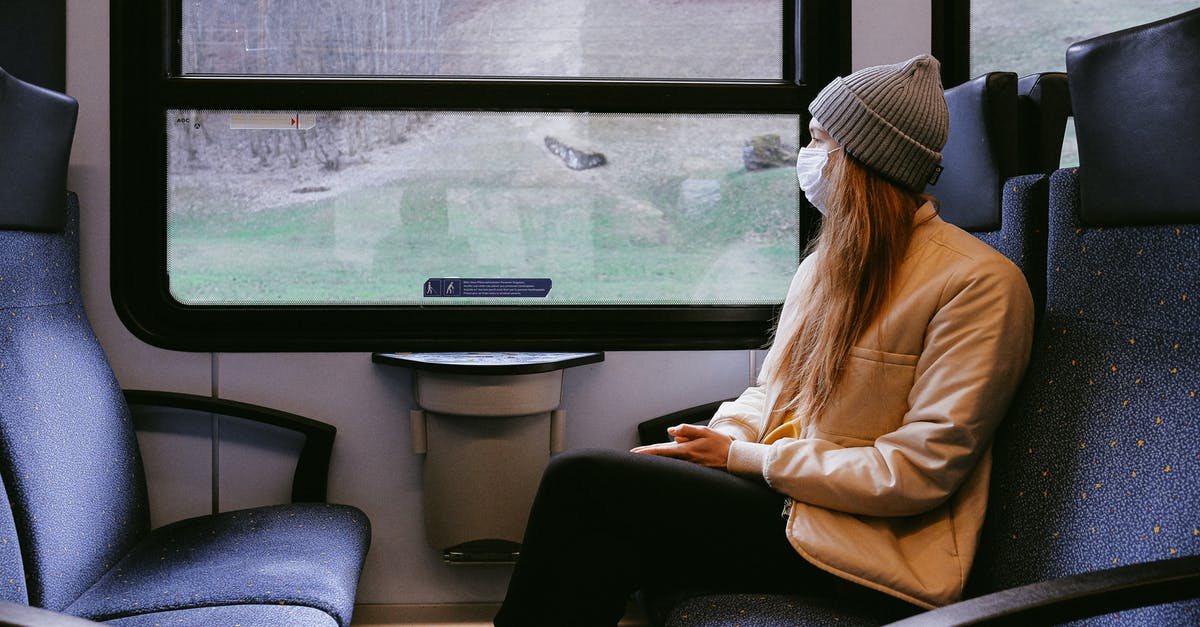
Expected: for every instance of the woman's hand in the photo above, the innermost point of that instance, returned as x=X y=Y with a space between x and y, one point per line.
x=699 y=445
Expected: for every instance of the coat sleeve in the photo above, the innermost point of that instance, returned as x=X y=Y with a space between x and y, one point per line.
x=746 y=418
x=742 y=418
x=975 y=351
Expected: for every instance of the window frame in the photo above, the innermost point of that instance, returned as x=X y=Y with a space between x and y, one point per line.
x=951 y=40
x=146 y=81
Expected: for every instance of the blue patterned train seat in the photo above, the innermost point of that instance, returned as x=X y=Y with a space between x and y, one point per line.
x=1097 y=464
x=78 y=538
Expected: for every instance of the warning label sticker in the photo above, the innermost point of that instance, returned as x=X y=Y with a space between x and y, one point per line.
x=454 y=287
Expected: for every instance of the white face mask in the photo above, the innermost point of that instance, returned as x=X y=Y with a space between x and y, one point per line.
x=810 y=173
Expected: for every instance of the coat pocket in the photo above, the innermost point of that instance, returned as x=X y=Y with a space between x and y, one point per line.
x=872 y=397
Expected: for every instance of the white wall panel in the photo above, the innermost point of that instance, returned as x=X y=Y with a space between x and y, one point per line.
x=177 y=454
x=255 y=463
x=889 y=31
x=137 y=364
x=606 y=401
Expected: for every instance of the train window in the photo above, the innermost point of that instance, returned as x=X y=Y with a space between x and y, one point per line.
x=525 y=38
x=485 y=175
x=553 y=208
x=1030 y=36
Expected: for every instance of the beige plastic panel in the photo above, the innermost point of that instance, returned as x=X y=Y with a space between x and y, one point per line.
x=489 y=395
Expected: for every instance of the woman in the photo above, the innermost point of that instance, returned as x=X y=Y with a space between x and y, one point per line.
x=899 y=346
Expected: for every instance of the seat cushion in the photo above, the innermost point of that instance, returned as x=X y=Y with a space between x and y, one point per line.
x=308 y=554
x=240 y=615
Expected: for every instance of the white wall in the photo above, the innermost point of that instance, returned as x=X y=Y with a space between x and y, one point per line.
x=373 y=467
x=888 y=31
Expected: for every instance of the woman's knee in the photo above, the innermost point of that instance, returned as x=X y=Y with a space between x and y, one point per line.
x=603 y=474
x=582 y=467
x=599 y=475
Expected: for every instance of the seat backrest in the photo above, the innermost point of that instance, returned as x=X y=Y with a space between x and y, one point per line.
x=980 y=152
x=39 y=125
x=1151 y=71
x=68 y=453
x=1096 y=464
x=979 y=191
x=1043 y=107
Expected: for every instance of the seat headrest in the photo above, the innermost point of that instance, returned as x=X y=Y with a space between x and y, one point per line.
x=37 y=127
x=981 y=151
x=1136 y=100
x=1043 y=106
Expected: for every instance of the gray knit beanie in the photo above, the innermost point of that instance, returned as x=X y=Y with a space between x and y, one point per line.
x=892 y=118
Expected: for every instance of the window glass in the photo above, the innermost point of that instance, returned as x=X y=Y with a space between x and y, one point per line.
x=1031 y=36
x=462 y=174
x=693 y=39
x=360 y=207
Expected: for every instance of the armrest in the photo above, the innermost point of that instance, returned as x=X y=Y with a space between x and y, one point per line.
x=654 y=430
x=312 y=469
x=18 y=615
x=1070 y=598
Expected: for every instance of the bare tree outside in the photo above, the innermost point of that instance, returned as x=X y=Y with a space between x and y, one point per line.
x=701 y=39
x=320 y=37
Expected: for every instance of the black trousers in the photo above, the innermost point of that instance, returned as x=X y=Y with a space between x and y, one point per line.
x=606 y=523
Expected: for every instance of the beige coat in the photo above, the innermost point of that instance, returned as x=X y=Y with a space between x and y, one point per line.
x=890 y=483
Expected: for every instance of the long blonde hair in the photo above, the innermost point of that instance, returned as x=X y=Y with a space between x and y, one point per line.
x=861 y=244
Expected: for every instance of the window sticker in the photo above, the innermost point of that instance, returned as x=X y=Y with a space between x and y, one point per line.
x=486 y=288
x=272 y=121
